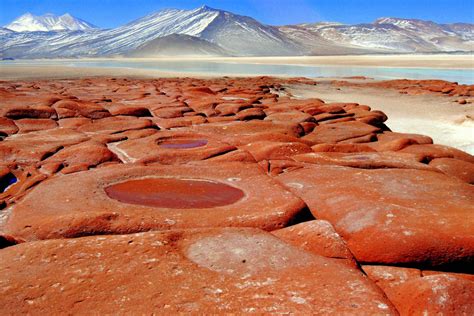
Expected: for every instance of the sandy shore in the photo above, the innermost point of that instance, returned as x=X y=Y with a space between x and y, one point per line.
x=446 y=121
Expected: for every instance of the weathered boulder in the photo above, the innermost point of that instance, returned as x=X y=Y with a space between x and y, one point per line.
x=35 y=146
x=369 y=160
x=319 y=237
x=172 y=147
x=414 y=293
x=197 y=271
x=391 y=215
x=267 y=150
x=123 y=199
x=334 y=133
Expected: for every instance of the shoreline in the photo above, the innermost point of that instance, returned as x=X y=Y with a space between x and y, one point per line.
x=411 y=61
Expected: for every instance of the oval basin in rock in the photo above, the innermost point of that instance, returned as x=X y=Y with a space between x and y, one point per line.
x=174 y=193
x=182 y=143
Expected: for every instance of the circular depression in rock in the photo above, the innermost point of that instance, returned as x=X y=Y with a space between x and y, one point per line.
x=182 y=143
x=174 y=193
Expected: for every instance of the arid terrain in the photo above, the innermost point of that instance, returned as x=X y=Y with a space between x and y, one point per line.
x=214 y=195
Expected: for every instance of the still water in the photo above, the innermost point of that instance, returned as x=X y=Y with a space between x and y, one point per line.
x=462 y=76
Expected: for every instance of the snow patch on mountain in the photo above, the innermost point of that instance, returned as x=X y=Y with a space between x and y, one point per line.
x=48 y=22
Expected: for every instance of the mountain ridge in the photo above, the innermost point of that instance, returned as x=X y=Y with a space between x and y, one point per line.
x=235 y=35
x=48 y=22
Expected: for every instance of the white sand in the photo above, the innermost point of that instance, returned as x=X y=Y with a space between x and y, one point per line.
x=446 y=121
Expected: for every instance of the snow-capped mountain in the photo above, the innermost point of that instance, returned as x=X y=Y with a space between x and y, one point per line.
x=48 y=22
x=210 y=30
x=385 y=35
x=237 y=35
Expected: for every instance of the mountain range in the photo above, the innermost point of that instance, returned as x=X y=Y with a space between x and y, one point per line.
x=208 y=31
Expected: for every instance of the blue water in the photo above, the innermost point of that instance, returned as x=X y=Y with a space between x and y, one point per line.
x=462 y=76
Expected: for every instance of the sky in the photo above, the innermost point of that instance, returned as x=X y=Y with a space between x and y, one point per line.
x=112 y=13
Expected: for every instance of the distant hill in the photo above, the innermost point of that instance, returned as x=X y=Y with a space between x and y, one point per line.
x=209 y=31
x=177 y=45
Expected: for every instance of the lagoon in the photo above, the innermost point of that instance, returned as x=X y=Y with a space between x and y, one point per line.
x=242 y=68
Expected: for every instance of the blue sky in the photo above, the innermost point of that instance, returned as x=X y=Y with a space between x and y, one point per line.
x=111 y=13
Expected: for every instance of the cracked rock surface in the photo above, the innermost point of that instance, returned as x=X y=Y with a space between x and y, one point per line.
x=143 y=196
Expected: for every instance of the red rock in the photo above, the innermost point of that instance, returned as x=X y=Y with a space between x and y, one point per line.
x=335 y=133
x=360 y=140
x=325 y=117
x=334 y=108
x=32 y=125
x=415 y=292
x=115 y=124
x=251 y=114
x=172 y=148
x=197 y=271
x=460 y=169
x=79 y=157
x=391 y=215
x=265 y=150
x=120 y=109
x=275 y=167
x=369 y=160
x=386 y=216
x=74 y=108
x=466 y=276
x=73 y=122
x=242 y=140
x=248 y=128
x=430 y=152
x=220 y=119
x=7 y=126
x=391 y=136
x=414 y=87
x=231 y=108
x=179 y=122
x=336 y=120
x=318 y=237
x=376 y=116
x=290 y=117
x=389 y=277
x=235 y=155
x=36 y=146
x=392 y=145
x=342 y=148
x=171 y=112
x=200 y=90
x=27 y=111
x=436 y=295
x=26 y=179
x=308 y=127
x=92 y=211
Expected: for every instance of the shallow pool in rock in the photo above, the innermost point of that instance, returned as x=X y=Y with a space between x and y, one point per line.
x=174 y=193
x=6 y=181
x=182 y=143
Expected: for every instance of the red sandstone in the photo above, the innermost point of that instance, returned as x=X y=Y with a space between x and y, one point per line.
x=188 y=161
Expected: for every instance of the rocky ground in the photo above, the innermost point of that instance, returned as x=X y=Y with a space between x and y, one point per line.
x=188 y=195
